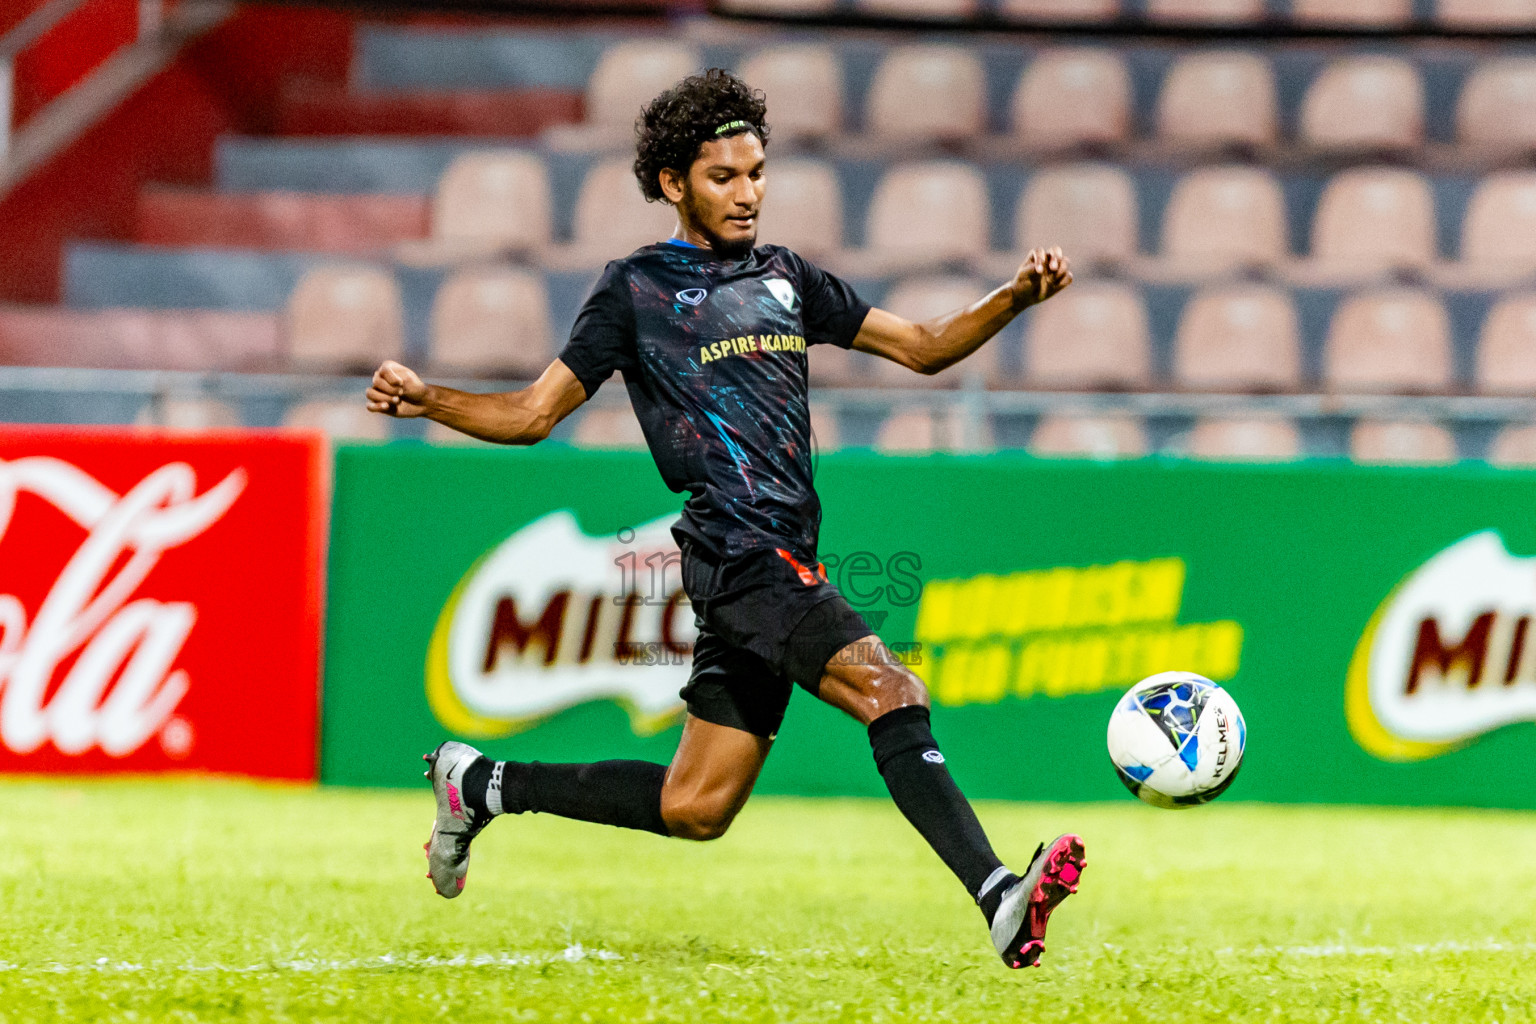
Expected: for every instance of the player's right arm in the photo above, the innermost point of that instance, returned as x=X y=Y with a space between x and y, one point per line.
x=509 y=417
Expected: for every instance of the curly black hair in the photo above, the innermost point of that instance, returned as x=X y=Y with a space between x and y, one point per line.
x=714 y=105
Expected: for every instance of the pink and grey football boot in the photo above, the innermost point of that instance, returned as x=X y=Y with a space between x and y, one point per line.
x=448 y=846
x=1018 y=927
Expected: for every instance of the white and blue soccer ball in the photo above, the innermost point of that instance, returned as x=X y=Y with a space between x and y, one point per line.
x=1176 y=739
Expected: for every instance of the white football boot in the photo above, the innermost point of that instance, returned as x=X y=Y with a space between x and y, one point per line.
x=1018 y=928
x=448 y=846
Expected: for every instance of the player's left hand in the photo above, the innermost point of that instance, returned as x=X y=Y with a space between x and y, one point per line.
x=1043 y=273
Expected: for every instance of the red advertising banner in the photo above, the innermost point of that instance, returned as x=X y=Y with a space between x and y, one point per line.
x=160 y=601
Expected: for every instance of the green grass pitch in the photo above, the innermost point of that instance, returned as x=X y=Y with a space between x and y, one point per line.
x=210 y=901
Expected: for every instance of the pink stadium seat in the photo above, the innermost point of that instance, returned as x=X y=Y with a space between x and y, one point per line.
x=1399 y=442
x=924 y=298
x=1498 y=233
x=1072 y=97
x=1059 y=10
x=345 y=318
x=1245 y=440
x=928 y=92
x=140 y=339
x=803 y=207
x=1375 y=219
x=1217 y=12
x=803 y=83
x=1097 y=437
x=612 y=217
x=1486 y=13
x=1238 y=338
x=1365 y=103
x=608 y=427
x=825 y=436
x=1219 y=98
x=1087 y=209
x=1497 y=107
x=492 y=321
x=279 y=220
x=1506 y=351
x=493 y=201
x=1223 y=217
x=339 y=418
x=930 y=212
x=834 y=367
x=189 y=414
x=915 y=430
x=1515 y=447
x=919 y=8
x=1397 y=340
x=629 y=74
x=1362 y=13
x=1093 y=335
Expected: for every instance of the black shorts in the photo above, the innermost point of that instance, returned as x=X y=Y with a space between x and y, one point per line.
x=766 y=622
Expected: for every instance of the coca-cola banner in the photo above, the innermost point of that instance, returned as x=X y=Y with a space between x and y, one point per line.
x=160 y=600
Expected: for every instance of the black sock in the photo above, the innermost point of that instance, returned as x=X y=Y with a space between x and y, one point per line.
x=914 y=772
x=622 y=793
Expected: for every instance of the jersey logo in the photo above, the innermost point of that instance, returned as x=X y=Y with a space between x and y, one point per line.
x=692 y=296
x=782 y=291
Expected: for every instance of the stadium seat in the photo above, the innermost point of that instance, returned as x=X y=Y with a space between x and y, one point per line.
x=189 y=414
x=492 y=202
x=338 y=419
x=493 y=322
x=1397 y=340
x=825 y=435
x=1492 y=14
x=1498 y=233
x=919 y=8
x=1098 y=437
x=927 y=93
x=1245 y=440
x=916 y=430
x=1373 y=219
x=612 y=218
x=1093 y=335
x=1087 y=209
x=803 y=83
x=1224 y=217
x=1238 y=338
x=1506 y=350
x=928 y=213
x=1389 y=442
x=1366 y=103
x=608 y=427
x=1514 y=447
x=629 y=74
x=1214 y=12
x=1497 y=107
x=1357 y=13
x=1059 y=10
x=1072 y=97
x=803 y=207
x=923 y=298
x=140 y=339
x=1219 y=98
x=292 y=221
x=834 y=367
x=345 y=318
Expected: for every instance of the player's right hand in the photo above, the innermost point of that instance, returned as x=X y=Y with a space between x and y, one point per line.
x=397 y=391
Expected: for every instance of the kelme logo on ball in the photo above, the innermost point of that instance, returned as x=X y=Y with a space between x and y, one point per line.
x=1447 y=656
x=551 y=618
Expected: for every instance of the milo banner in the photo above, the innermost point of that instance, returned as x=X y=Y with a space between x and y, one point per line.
x=1374 y=624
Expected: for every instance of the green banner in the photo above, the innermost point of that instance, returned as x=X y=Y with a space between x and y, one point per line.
x=1372 y=623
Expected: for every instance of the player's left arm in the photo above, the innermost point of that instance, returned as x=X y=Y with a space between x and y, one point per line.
x=932 y=345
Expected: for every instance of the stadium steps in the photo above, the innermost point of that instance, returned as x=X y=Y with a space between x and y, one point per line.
x=304 y=221
x=323 y=108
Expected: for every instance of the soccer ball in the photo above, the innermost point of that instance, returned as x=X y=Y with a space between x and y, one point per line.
x=1176 y=739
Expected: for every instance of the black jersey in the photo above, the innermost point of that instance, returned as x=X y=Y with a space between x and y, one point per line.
x=713 y=353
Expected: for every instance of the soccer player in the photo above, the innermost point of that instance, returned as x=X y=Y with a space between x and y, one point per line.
x=710 y=332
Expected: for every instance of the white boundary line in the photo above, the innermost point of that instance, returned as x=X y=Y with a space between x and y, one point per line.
x=571 y=954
